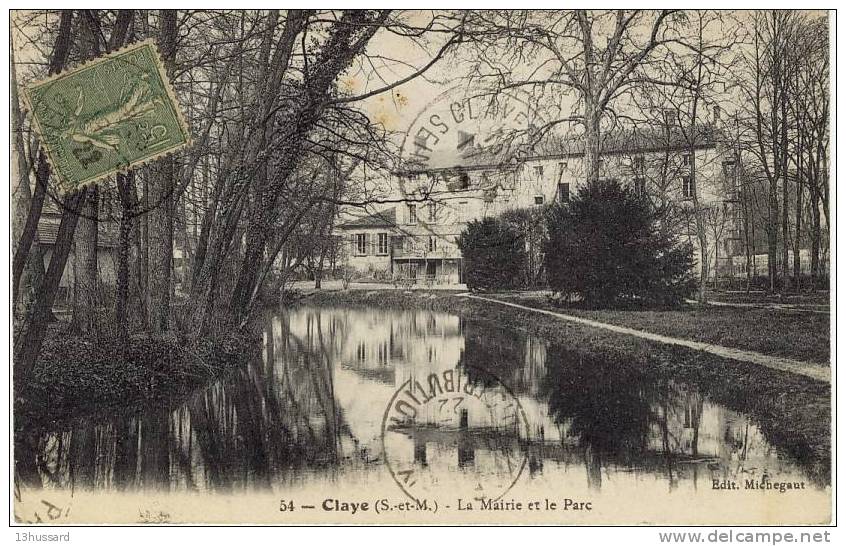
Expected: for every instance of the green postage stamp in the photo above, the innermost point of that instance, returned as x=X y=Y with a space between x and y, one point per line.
x=107 y=116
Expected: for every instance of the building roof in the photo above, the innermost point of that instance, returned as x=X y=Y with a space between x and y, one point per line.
x=48 y=230
x=551 y=145
x=383 y=218
x=631 y=141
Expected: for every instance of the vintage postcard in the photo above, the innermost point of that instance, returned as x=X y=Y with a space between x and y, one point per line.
x=391 y=267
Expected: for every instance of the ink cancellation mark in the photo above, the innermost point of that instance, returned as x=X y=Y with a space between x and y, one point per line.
x=453 y=434
x=459 y=130
x=462 y=146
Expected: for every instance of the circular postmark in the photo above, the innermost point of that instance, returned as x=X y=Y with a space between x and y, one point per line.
x=454 y=434
x=460 y=160
x=462 y=129
x=467 y=141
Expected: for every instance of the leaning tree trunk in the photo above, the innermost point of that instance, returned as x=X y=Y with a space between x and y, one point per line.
x=32 y=272
x=29 y=340
x=28 y=235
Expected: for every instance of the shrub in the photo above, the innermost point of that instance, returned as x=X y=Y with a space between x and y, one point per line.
x=604 y=246
x=494 y=253
x=531 y=225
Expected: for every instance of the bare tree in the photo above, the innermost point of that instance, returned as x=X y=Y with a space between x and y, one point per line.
x=768 y=97
x=597 y=56
x=684 y=88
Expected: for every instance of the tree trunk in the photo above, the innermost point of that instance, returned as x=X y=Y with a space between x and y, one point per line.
x=144 y=255
x=797 y=263
x=127 y=200
x=28 y=235
x=716 y=262
x=772 y=234
x=34 y=327
x=593 y=148
x=748 y=226
x=701 y=230
x=32 y=272
x=785 y=189
x=161 y=196
x=85 y=253
x=815 y=239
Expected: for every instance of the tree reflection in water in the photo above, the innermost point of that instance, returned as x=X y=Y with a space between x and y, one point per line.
x=265 y=422
x=280 y=418
x=614 y=415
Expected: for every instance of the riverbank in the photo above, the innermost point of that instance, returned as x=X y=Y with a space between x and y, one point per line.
x=75 y=377
x=785 y=332
x=792 y=411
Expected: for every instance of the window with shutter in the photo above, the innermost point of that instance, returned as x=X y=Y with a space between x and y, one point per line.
x=361 y=244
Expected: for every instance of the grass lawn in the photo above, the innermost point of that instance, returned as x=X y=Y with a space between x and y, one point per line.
x=781 y=332
x=814 y=300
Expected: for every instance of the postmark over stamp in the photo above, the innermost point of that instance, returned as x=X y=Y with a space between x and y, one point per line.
x=107 y=116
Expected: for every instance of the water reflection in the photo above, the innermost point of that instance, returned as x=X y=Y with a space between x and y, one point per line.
x=311 y=410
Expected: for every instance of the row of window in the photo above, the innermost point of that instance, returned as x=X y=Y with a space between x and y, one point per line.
x=411 y=217
x=638 y=165
x=377 y=244
x=563 y=195
x=363 y=242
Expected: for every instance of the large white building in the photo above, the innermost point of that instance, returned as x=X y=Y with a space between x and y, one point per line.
x=417 y=238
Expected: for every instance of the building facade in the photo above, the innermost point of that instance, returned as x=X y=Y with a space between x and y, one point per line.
x=421 y=232
x=107 y=255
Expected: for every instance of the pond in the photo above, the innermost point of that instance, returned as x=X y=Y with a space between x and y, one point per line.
x=489 y=413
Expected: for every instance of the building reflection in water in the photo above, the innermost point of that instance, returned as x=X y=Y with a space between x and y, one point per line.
x=313 y=405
